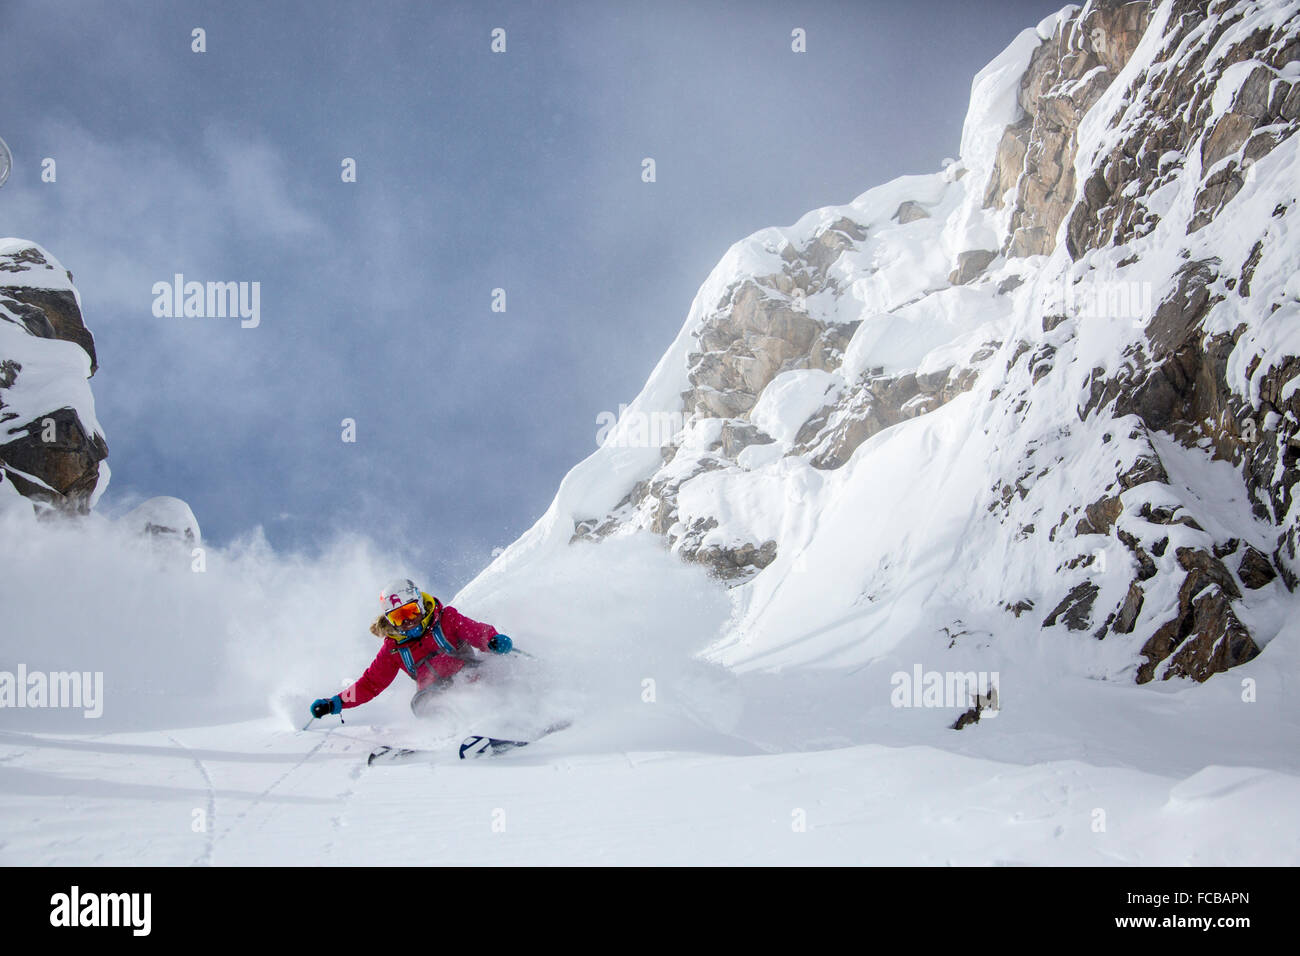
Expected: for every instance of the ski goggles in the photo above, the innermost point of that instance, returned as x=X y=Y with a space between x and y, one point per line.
x=406 y=616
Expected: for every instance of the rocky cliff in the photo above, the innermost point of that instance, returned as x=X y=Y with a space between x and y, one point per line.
x=52 y=450
x=1050 y=390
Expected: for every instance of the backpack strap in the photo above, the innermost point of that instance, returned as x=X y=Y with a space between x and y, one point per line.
x=433 y=621
x=442 y=640
x=408 y=660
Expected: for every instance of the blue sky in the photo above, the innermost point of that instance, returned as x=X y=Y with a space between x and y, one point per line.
x=476 y=171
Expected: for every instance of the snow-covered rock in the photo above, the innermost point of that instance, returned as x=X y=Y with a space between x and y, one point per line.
x=165 y=518
x=52 y=449
x=1047 y=394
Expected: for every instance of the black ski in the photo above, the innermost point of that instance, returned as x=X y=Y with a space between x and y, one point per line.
x=476 y=745
x=483 y=746
x=388 y=754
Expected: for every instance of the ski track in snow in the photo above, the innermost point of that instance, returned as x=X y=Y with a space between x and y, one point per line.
x=659 y=786
x=210 y=828
x=244 y=814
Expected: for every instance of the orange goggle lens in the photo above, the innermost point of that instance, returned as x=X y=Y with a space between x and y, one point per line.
x=408 y=615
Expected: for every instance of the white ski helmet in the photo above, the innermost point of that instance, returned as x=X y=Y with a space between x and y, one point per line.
x=398 y=595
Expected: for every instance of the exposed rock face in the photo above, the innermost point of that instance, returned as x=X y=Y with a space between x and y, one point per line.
x=1143 y=347
x=50 y=315
x=970 y=264
x=1076 y=608
x=50 y=451
x=832 y=434
x=1205 y=636
x=734 y=564
x=1176 y=380
x=761 y=328
x=910 y=211
x=1255 y=569
x=1066 y=77
x=67 y=466
x=1178 y=124
x=759 y=333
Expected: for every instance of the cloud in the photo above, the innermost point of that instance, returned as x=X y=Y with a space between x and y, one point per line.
x=136 y=210
x=254 y=184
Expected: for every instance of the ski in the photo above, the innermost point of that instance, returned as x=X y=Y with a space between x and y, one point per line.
x=475 y=745
x=482 y=746
x=391 y=755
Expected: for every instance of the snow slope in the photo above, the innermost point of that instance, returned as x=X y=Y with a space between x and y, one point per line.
x=793 y=766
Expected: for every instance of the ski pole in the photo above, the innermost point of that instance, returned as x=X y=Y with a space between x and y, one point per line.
x=310 y=719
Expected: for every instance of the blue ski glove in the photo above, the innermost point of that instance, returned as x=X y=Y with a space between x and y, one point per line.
x=500 y=644
x=327 y=705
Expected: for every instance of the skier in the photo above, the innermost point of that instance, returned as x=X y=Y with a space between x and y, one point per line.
x=422 y=637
